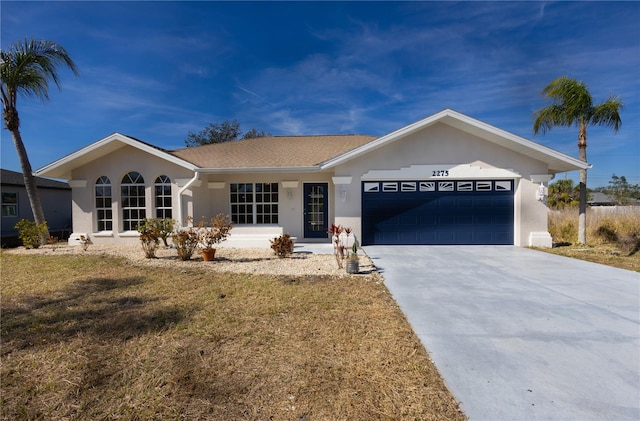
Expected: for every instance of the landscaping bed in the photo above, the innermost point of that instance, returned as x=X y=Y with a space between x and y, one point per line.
x=227 y=259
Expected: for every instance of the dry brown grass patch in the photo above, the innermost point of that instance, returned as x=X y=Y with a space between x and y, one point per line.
x=603 y=254
x=613 y=235
x=92 y=337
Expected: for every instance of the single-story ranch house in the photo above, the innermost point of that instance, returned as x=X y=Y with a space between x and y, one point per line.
x=446 y=179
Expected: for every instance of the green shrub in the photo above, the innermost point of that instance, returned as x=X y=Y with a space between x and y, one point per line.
x=149 y=231
x=282 y=246
x=31 y=233
x=165 y=227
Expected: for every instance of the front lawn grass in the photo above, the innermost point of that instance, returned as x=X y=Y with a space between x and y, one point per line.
x=95 y=337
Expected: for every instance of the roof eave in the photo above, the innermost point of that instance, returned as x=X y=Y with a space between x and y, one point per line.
x=257 y=170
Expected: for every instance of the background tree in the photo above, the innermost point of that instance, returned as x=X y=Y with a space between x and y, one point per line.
x=622 y=191
x=573 y=105
x=27 y=68
x=226 y=131
x=563 y=194
x=254 y=133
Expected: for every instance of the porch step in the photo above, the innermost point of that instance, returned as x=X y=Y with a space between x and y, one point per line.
x=252 y=237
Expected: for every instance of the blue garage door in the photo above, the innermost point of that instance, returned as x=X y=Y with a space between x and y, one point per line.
x=437 y=212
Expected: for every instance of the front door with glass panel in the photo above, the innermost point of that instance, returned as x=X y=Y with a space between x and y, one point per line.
x=316 y=210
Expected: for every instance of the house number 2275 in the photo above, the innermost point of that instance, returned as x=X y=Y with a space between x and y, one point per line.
x=440 y=173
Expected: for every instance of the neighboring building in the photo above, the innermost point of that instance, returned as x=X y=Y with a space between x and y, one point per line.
x=603 y=199
x=446 y=179
x=600 y=199
x=55 y=197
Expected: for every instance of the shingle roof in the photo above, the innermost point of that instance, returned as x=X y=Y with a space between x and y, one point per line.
x=272 y=152
x=13 y=178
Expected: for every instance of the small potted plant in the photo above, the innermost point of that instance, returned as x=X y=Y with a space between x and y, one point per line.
x=342 y=250
x=353 y=262
x=217 y=231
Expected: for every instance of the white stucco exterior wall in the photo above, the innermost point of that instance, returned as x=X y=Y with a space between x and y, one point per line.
x=443 y=145
x=115 y=166
x=435 y=146
x=215 y=197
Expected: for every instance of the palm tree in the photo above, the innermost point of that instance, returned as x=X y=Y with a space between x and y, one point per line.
x=26 y=69
x=573 y=105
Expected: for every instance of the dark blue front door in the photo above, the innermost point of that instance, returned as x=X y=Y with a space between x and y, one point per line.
x=438 y=212
x=316 y=217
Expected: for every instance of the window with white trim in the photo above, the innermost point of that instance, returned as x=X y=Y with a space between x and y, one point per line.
x=162 y=188
x=503 y=185
x=104 y=213
x=266 y=203
x=133 y=201
x=427 y=186
x=484 y=185
x=10 y=204
x=371 y=187
x=254 y=203
x=465 y=185
x=408 y=186
x=390 y=187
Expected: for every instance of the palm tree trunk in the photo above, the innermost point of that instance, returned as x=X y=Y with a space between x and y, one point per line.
x=29 y=182
x=582 y=213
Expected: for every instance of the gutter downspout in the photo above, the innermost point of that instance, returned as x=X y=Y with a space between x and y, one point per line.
x=181 y=192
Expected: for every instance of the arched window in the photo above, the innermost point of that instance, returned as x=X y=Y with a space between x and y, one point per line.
x=163 y=197
x=133 y=201
x=104 y=215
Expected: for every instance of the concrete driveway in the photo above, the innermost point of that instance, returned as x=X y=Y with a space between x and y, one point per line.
x=519 y=334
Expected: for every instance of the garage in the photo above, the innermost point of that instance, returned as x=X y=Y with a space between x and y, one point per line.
x=438 y=212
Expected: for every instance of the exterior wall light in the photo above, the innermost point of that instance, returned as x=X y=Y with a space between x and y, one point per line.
x=342 y=181
x=290 y=185
x=542 y=191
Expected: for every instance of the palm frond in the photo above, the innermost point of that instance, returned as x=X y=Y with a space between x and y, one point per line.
x=29 y=65
x=572 y=95
x=549 y=117
x=607 y=114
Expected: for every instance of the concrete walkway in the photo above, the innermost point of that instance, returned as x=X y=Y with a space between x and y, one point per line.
x=519 y=334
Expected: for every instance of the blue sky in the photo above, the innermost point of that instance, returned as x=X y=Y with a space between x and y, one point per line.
x=156 y=70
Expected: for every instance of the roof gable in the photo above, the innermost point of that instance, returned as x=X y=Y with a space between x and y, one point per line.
x=557 y=161
x=63 y=167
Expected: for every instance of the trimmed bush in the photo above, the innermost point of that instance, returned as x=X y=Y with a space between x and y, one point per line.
x=186 y=241
x=31 y=233
x=149 y=237
x=282 y=246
